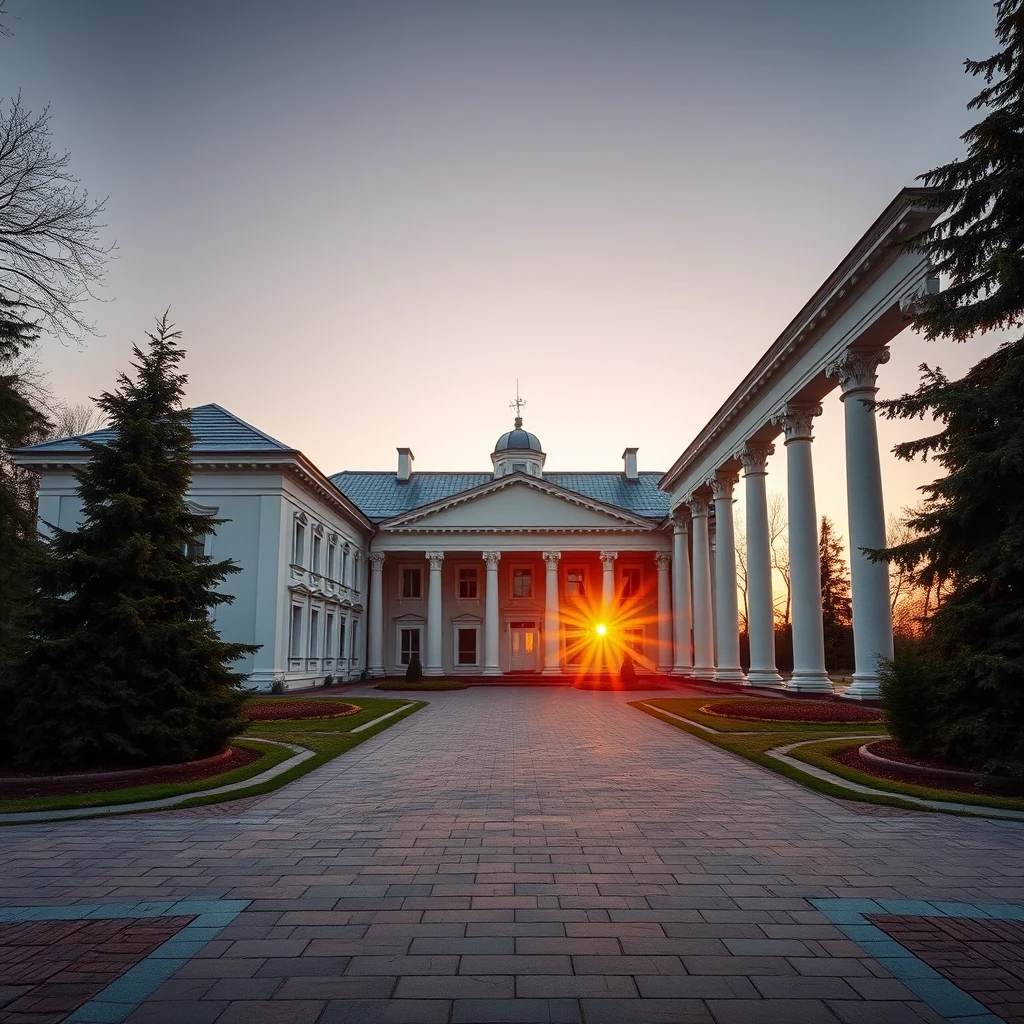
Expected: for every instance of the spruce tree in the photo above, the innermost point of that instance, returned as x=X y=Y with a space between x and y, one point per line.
x=125 y=665
x=836 y=609
x=967 y=677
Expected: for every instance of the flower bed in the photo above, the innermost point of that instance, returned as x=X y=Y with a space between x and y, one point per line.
x=778 y=709
x=284 y=709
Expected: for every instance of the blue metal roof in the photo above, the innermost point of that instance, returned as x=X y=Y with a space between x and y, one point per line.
x=518 y=440
x=215 y=430
x=380 y=495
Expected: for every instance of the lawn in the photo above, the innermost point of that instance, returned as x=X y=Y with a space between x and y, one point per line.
x=326 y=737
x=751 y=740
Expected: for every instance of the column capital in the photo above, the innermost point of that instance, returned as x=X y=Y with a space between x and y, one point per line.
x=754 y=458
x=608 y=559
x=680 y=520
x=551 y=559
x=491 y=558
x=722 y=483
x=795 y=418
x=857 y=370
x=377 y=560
x=698 y=506
x=435 y=558
x=663 y=560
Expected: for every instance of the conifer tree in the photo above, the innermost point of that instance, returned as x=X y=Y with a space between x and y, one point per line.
x=967 y=679
x=125 y=665
x=836 y=609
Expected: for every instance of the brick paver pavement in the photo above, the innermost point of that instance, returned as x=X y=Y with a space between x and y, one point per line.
x=526 y=855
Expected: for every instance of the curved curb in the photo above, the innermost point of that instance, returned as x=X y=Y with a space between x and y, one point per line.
x=300 y=754
x=927 y=772
x=976 y=810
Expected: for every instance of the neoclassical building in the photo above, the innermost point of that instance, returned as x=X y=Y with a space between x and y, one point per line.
x=522 y=571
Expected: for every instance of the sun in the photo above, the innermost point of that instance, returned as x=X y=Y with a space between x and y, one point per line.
x=601 y=629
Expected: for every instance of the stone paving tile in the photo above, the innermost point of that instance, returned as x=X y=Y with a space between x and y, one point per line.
x=546 y=831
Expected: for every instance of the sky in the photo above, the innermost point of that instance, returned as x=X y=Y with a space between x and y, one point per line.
x=370 y=219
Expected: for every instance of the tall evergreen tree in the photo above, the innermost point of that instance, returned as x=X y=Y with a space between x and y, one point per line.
x=836 y=610
x=967 y=679
x=125 y=665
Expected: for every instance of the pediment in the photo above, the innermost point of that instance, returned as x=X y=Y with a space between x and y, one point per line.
x=518 y=503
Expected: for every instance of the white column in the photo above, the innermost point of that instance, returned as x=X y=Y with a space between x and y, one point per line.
x=608 y=582
x=492 y=666
x=727 y=616
x=681 y=604
x=663 y=560
x=375 y=616
x=552 y=618
x=703 y=635
x=872 y=611
x=805 y=568
x=433 y=665
x=714 y=588
x=760 y=605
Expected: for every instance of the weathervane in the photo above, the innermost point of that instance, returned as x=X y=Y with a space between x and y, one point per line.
x=518 y=406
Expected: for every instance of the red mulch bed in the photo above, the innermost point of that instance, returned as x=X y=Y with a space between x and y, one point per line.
x=287 y=710
x=851 y=757
x=779 y=709
x=22 y=786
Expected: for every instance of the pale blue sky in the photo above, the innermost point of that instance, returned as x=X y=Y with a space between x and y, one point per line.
x=371 y=218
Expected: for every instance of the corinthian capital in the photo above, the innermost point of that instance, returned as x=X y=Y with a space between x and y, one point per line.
x=608 y=559
x=551 y=558
x=722 y=483
x=796 y=418
x=754 y=458
x=680 y=519
x=435 y=558
x=857 y=371
x=698 y=506
x=377 y=560
x=491 y=559
x=662 y=559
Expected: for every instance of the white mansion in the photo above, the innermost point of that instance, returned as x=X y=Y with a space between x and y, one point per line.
x=518 y=570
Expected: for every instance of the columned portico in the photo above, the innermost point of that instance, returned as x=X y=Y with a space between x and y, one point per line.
x=492 y=634
x=703 y=637
x=760 y=606
x=726 y=610
x=663 y=560
x=681 y=602
x=433 y=665
x=552 y=617
x=872 y=616
x=375 y=616
x=805 y=569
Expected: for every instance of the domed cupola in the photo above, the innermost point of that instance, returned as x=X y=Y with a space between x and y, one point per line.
x=517 y=450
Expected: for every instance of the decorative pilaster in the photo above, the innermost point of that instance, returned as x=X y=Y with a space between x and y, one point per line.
x=663 y=560
x=492 y=665
x=681 y=604
x=727 y=617
x=375 y=616
x=760 y=605
x=608 y=580
x=809 y=672
x=703 y=624
x=552 y=616
x=433 y=665
x=872 y=611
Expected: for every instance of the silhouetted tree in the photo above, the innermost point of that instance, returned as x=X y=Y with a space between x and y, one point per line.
x=836 y=612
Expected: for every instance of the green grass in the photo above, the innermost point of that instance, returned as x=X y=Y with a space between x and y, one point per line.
x=778 y=734
x=427 y=684
x=326 y=737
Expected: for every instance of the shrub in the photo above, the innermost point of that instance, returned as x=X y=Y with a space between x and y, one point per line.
x=908 y=700
x=277 y=686
x=627 y=674
x=414 y=673
x=328 y=680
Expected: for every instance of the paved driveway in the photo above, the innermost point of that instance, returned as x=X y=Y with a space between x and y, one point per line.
x=526 y=855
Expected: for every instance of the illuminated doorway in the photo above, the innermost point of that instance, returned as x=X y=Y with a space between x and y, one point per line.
x=523 y=646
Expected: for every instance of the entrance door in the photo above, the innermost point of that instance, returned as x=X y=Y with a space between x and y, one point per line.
x=523 y=640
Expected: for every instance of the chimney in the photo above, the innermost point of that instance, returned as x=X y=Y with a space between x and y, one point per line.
x=405 y=457
x=629 y=464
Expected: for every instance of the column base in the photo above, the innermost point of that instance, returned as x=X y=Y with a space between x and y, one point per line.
x=765 y=677
x=704 y=672
x=682 y=671
x=664 y=670
x=862 y=688
x=731 y=675
x=492 y=670
x=433 y=672
x=811 y=682
x=376 y=673
x=551 y=670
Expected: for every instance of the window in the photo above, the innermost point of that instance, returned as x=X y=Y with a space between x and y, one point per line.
x=634 y=639
x=314 y=633
x=341 y=637
x=466 y=645
x=331 y=551
x=518 y=467
x=329 y=636
x=412 y=581
x=629 y=581
x=409 y=644
x=195 y=548
x=355 y=570
x=344 y=566
x=299 y=554
x=355 y=634
x=295 y=641
x=468 y=582
x=522 y=583
x=576 y=641
x=317 y=550
x=576 y=584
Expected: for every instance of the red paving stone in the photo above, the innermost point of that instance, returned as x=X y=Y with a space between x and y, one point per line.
x=50 y=968
x=983 y=957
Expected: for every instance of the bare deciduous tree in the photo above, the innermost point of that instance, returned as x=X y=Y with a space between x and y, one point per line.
x=742 y=579
x=778 y=540
x=71 y=420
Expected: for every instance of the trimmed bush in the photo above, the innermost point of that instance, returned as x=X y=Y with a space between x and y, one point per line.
x=414 y=673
